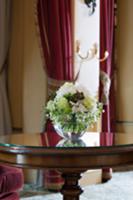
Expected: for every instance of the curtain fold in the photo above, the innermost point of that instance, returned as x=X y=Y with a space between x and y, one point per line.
x=5 y=123
x=54 y=18
x=55 y=28
x=107 y=94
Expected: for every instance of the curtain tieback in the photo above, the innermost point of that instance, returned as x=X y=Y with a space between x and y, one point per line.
x=106 y=82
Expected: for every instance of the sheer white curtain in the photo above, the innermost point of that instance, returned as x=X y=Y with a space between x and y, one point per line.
x=5 y=124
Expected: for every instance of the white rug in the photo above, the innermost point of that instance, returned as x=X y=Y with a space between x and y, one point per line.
x=120 y=187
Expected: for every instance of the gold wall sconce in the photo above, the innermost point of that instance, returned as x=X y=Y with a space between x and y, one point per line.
x=91 y=53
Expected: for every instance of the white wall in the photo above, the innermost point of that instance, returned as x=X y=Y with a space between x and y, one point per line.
x=87 y=32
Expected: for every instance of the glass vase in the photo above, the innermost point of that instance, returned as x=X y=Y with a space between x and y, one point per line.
x=68 y=135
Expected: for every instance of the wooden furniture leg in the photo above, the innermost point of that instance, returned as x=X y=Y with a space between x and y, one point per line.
x=71 y=189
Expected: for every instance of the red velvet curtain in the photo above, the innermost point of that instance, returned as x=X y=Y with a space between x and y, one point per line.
x=55 y=27
x=107 y=70
x=54 y=19
x=106 y=43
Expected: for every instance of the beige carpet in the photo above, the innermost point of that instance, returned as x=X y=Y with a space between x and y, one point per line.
x=120 y=187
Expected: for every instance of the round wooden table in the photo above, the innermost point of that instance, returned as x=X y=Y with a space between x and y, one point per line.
x=71 y=159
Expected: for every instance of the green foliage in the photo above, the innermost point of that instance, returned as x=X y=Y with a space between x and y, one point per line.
x=73 y=111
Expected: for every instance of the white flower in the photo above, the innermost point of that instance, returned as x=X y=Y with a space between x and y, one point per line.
x=65 y=89
x=73 y=108
x=81 y=88
x=78 y=107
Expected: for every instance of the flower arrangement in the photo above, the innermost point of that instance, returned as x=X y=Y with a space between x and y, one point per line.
x=73 y=109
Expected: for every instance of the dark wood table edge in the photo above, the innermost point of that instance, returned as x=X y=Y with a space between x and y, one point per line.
x=70 y=161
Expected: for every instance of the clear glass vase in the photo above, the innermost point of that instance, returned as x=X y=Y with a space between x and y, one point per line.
x=68 y=135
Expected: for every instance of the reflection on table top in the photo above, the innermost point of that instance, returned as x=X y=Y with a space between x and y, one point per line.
x=94 y=151
x=89 y=139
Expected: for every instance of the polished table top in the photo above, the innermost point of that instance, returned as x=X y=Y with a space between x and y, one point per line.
x=93 y=151
x=18 y=149
x=89 y=139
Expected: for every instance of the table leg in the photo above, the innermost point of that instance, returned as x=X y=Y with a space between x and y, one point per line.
x=71 y=189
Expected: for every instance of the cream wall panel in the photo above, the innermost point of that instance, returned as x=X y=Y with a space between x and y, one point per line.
x=15 y=68
x=27 y=79
x=125 y=127
x=125 y=64
x=34 y=88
